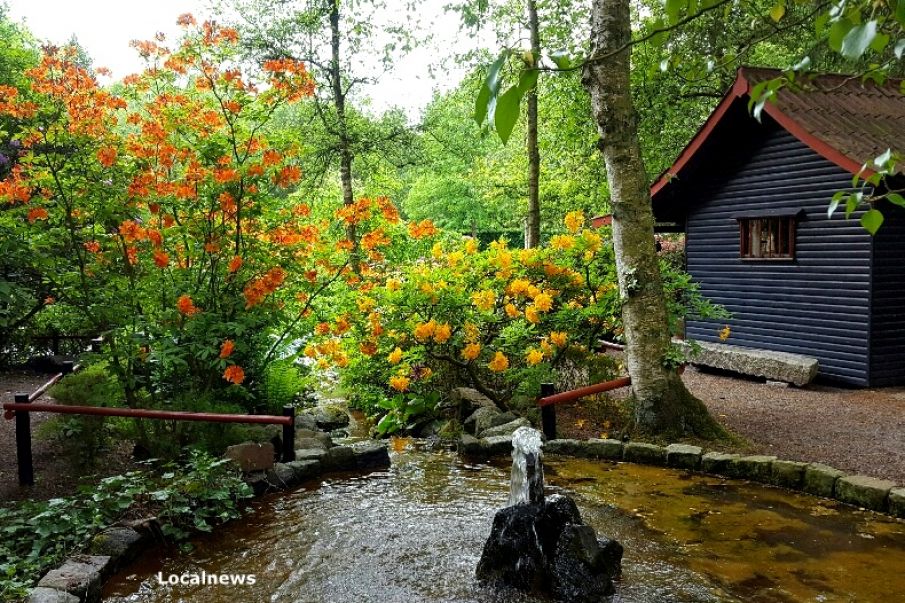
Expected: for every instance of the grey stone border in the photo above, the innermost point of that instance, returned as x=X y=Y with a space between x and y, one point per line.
x=879 y=495
x=80 y=578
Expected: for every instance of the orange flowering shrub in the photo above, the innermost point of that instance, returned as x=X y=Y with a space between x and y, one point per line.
x=164 y=215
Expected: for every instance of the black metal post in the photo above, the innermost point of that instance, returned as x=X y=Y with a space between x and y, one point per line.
x=23 y=443
x=96 y=345
x=289 y=435
x=68 y=367
x=548 y=412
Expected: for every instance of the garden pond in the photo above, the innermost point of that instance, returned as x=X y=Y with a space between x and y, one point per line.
x=414 y=533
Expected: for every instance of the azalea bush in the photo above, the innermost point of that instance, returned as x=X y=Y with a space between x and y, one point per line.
x=158 y=212
x=449 y=312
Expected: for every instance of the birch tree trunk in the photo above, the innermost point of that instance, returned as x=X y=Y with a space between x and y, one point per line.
x=662 y=403
x=339 y=103
x=532 y=230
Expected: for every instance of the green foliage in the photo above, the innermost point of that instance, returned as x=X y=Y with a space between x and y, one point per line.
x=185 y=497
x=85 y=436
x=401 y=409
x=284 y=383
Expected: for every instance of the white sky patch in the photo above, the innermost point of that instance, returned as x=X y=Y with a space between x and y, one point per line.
x=104 y=29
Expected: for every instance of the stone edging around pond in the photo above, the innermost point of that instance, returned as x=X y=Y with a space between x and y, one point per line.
x=818 y=479
x=81 y=577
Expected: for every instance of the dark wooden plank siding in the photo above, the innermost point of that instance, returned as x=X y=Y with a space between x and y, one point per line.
x=818 y=304
x=887 y=365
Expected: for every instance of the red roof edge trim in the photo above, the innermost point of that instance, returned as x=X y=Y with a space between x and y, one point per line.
x=818 y=146
x=739 y=88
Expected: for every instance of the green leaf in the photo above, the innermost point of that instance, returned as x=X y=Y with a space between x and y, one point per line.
x=838 y=31
x=896 y=199
x=852 y=203
x=834 y=203
x=881 y=160
x=480 y=108
x=778 y=11
x=506 y=114
x=674 y=9
x=872 y=220
x=900 y=12
x=528 y=80
x=879 y=43
x=561 y=59
x=858 y=39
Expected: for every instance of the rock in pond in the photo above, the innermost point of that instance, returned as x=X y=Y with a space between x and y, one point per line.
x=545 y=547
x=480 y=420
x=371 y=455
x=81 y=576
x=51 y=595
x=505 y=429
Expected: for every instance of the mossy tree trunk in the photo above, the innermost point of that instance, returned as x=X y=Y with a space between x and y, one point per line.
x=662 y=403
x=532 y=230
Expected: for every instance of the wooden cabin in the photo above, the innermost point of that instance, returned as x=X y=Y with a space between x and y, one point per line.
x=752 y=199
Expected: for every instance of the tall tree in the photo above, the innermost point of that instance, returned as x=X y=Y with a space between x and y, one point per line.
x=662 y=403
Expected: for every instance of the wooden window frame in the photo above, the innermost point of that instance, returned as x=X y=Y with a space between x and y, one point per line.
x=777 y=245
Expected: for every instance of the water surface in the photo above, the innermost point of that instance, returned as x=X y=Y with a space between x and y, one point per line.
x=414 y=533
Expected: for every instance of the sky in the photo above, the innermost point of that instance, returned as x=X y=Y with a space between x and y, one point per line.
x=105 y=28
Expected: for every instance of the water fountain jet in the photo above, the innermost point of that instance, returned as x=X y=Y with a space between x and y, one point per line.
x=540 y=544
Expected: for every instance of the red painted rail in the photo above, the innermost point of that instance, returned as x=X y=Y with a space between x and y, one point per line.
x=173 y=415
x=581 y=392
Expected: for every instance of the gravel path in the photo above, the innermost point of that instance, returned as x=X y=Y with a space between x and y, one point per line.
x=855 y=430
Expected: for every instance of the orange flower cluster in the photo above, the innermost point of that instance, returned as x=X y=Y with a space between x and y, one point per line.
x=226 y=349
x=356 y=212
x=186 y=306
x=131 y=231
x=14 y=189
x=375 y=238
x=234 y=374
x=107 y=156
x=37 y=213
x=424 y=228
x=257 y=289
x=289 y=78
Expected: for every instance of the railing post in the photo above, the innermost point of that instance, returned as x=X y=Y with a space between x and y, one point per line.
x=23 y=443
x=68 y=367
x=289 y=435
x=96 y=345
x=548 y=412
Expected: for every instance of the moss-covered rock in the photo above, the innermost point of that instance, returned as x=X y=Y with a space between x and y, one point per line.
x=717 y=462
x=684 y=456
x=820 y=479
x=756 y=467
x=647 y=454
x=864 y=491
x=787 y=474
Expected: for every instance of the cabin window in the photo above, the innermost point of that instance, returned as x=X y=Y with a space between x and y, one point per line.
x=767 y=238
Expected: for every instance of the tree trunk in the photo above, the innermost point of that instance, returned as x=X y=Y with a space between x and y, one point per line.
x=339 y=103
x=532 y=232
x=662 y=403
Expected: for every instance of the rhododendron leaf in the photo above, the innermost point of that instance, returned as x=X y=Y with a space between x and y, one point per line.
x=507 y=111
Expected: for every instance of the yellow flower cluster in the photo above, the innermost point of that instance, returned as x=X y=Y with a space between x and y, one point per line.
x=471 y=351
x=400 y=382
x=484 y=300
x=499 y=363
x=574 y=221
x=534 y=356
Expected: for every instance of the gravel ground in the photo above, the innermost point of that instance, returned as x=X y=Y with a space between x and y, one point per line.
x=55 y=473
x=855 y=430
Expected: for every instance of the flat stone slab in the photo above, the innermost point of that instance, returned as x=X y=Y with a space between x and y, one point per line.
x=121 y=544
x=505 y=429
x=774 y=366
x=251 y=456
x=310 y=454
x=499 y=445
x=471 y=446
x=756 y=467
x=787 y=474
x=563 y=446
x=50 y=595
x=282 y=476
x=339 y=458
x=864 y=491
x=81 y=576
x=647 y=454
x=597 y=448
x=684 y=456
x=469 y=400
x=371 y=455
x=897 y=502
x=305 y=469
x=717 y=462
x=820 y=479
x=311 y=443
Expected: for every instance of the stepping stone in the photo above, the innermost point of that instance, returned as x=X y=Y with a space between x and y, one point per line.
x=864 y=491
x=683 y=456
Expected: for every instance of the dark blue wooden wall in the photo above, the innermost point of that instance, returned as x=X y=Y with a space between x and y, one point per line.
x=819 y=304
x=887 y=366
